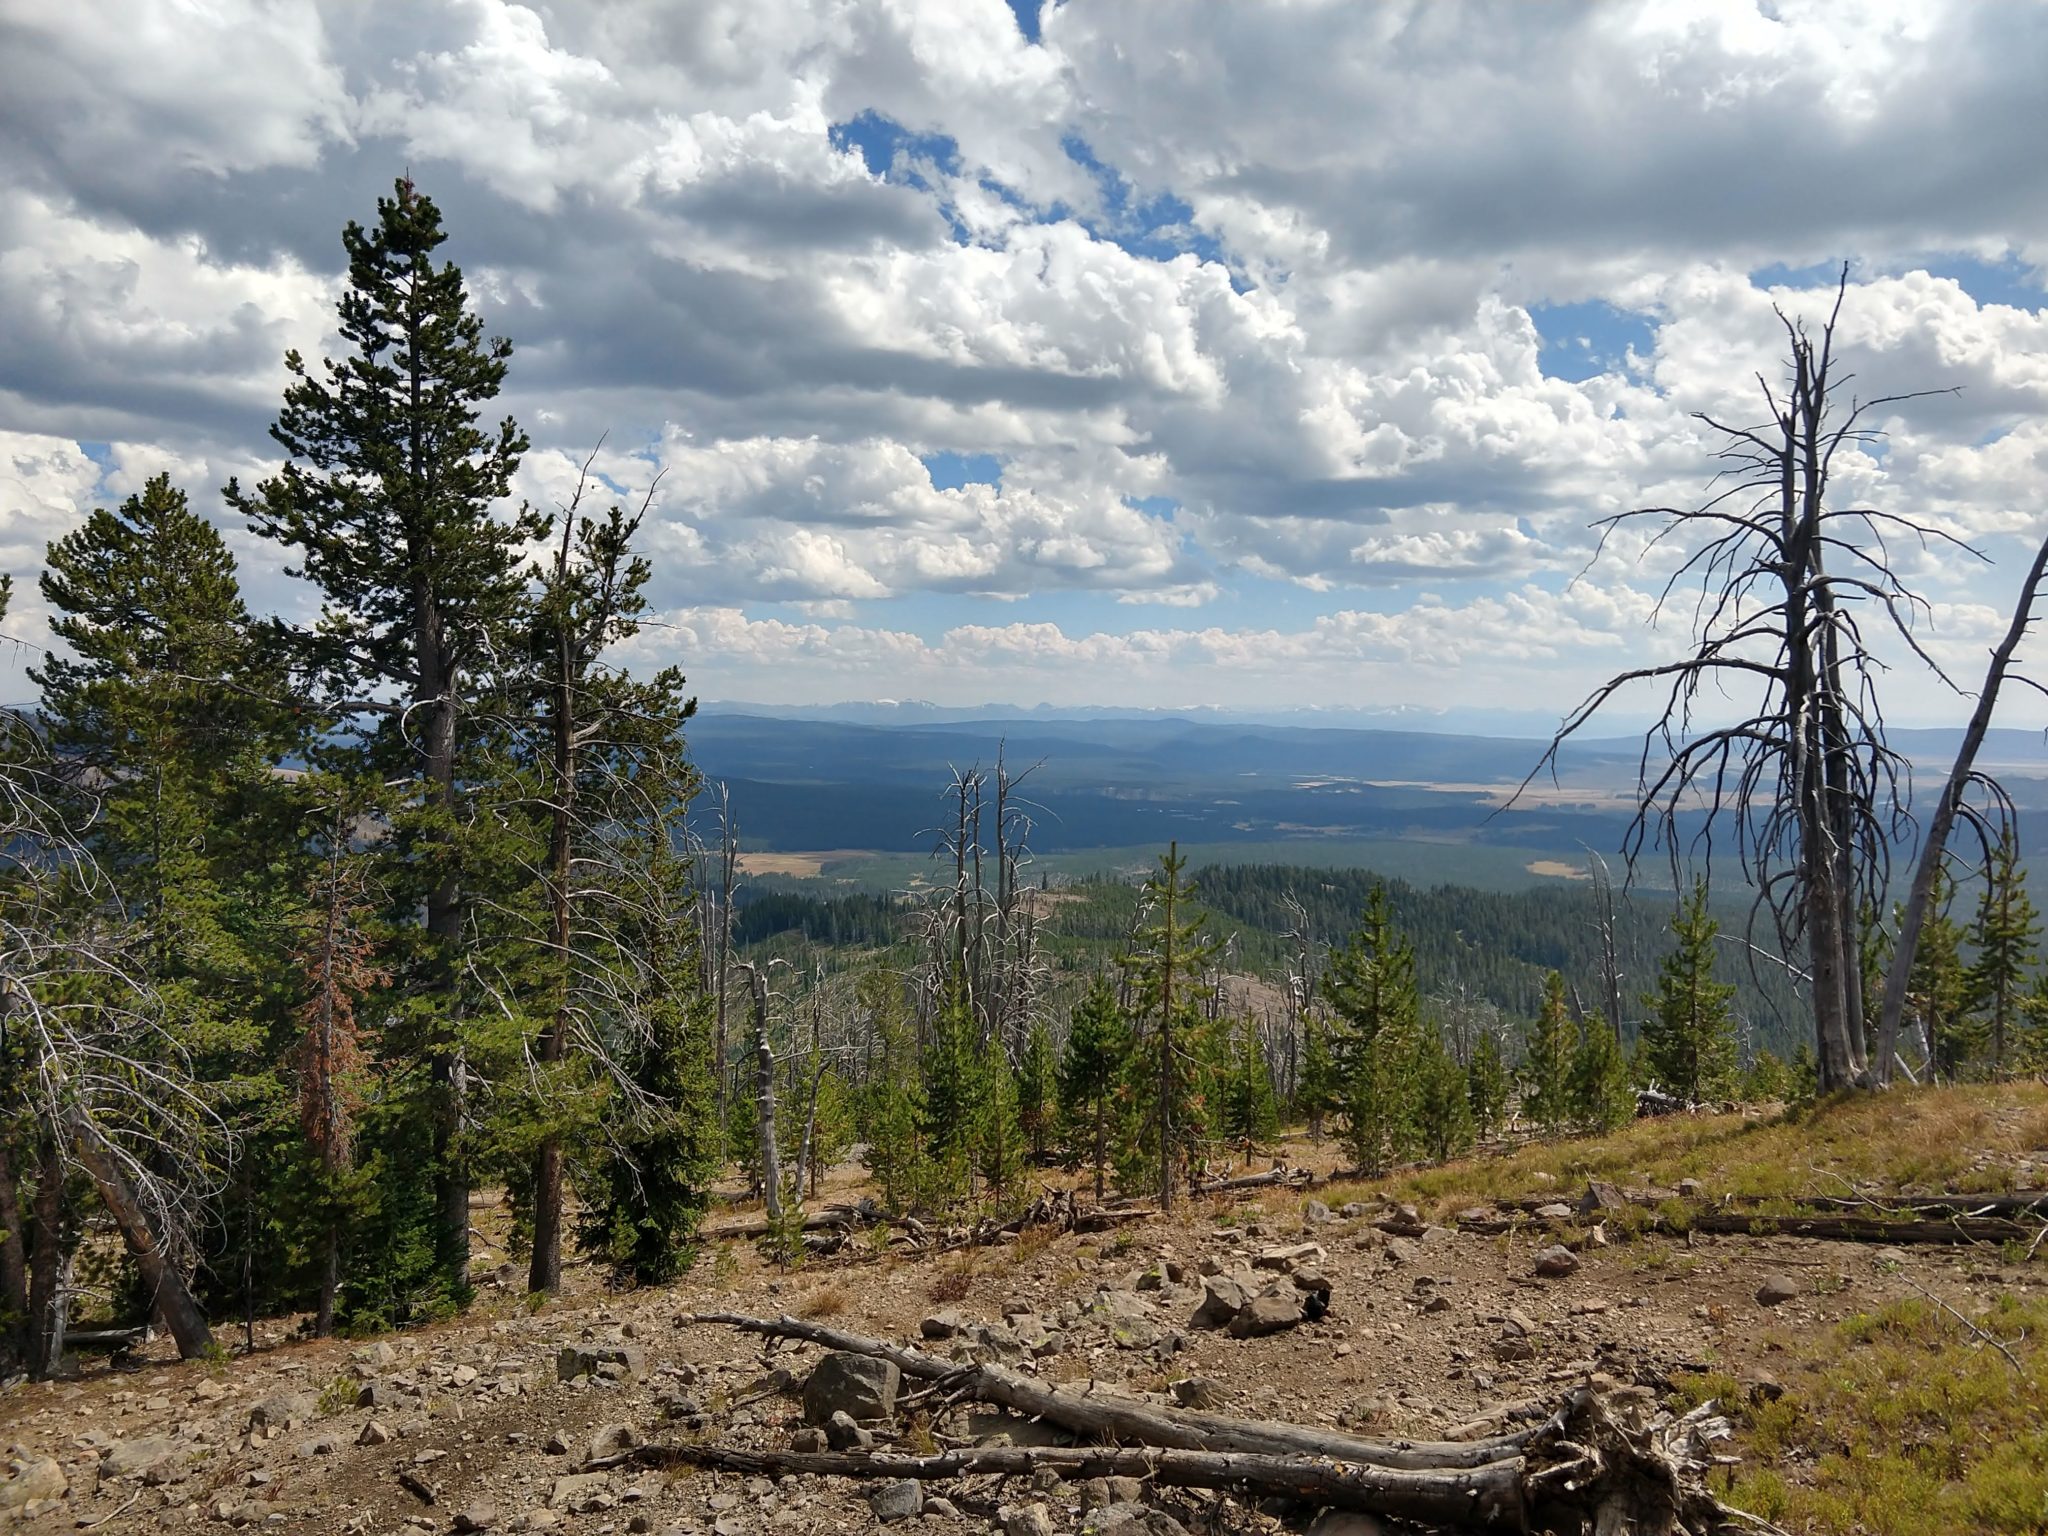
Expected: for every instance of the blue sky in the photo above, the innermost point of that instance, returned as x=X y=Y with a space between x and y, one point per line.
x=1267 y=355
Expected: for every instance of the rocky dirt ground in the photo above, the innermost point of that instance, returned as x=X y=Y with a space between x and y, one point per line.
x=488 y=1422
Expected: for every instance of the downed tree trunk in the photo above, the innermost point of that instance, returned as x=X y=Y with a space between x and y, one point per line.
x=1488 y=1498
x=1834 y=1228
x=1598 y=1464
x=1297 y=1178
x=170 y=1297
x=1126 y=1419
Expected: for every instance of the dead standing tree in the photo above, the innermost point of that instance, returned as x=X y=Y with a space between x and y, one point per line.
x=1806 y=782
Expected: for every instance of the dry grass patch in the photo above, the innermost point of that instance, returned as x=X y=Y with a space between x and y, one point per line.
x=826 y=1301
x=1967 y=1140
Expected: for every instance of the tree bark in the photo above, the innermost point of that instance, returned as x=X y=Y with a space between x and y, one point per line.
x=45 y=1322
x=14 y=1312
x=764 y=1096
x=170 y=1296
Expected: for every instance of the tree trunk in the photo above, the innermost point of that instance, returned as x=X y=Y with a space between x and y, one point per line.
x=1166 y=1032
x=1935 y=846
x=169 y=1295
x=545 y=1271
x=45 y=1320
x=330 y=1281
x=764 y=1095
x=14 y=1312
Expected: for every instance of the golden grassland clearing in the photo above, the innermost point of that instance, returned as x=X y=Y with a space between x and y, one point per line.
x=1558 y=869
x=802 y=866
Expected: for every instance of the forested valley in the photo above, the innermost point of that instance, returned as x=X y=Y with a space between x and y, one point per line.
x=309 y=933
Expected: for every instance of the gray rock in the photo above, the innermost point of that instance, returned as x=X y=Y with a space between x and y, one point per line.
x=1601 y=1196
x=1316 y=1213
x=1404 y=1251
x=1025 y=1520
x=1196 y=1392
x=609 y=1440
x=942 y=1507
x=1288 y=1259
x=572 y=1491
x=281 y=1410
x=944 y=1324
x=140 y=1457
x=1131 y=1519
x=1777 y=1290
x=1270 y=1311
x=478 y=1516
x=843 y=1434
x=377 y=1394
x=374 y=1433
x=27 y=1481
x=809 y=1441
x=1223 y=1297
x=1557 y=1210
x=1556 y=1261
x=619 y=1361
x=900 y=1500
x=857 y=1385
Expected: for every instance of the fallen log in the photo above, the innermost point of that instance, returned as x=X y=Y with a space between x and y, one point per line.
x=1126 y=1419
x=1488 y=1498
x=1830 y=1228
x=1293 y=1178
x=1600 y=1464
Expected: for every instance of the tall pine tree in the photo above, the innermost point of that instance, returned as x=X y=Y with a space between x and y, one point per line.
x=389 y=497
x=1689 y=1038
x=2004 y=937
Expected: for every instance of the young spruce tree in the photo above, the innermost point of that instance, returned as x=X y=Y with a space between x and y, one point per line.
x=1689 y=1038
x=1098 y=1042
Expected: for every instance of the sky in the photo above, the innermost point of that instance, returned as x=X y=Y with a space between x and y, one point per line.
x=1176 y=353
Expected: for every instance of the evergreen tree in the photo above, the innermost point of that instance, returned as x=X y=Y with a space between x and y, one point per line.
x=1319 y=1090
x=1038 y=1091
x=953 y=1091
x=1767 y=1081
x=1373 y=996
x=1550 y=1045
x=1098 y=1042
x=1443 y=1109
x=387 y=495
x=1000 y=1149
x=1937 y=990
x=1167 y=963
x=1487 y=1086
x=1247 y=1112
x=892 y=1106
x=1601 y=1098
x=2003 y=937
x=1689 y=1040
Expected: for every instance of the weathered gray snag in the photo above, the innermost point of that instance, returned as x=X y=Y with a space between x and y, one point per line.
x=170 y=1295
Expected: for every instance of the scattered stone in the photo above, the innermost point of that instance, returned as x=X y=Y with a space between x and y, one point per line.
x=856 y=1385
x=1510 y=1348
x=374 y=1433
x=479 y=1516
x=1025 y=1520
x=843 y=1434
x=1557 y=1210
x=609 y=1440
x=900 y=1500
x=1352 y=1210
x=1131 y=1519
x=809 y=1441
x=1223 y=1297
x=140 y=1457
x=556 y=1444
x=281 y=1410
x=947 y=1324
x=1777 y=1290
x=1315 y=1213
x=1270 y=1311
x=377 y=1394
x=575 y=1490
x=1556 y=1261
x=939 y=1507
x=1196 y=1392
x=32 y=1481
x=319 y=1445
x=1288 y=1259
x=1602 y=1196
x=1404 y=1251
x=627 y=1362
x=1691 y=1189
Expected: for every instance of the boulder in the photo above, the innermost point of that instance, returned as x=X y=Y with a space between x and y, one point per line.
x=843 y=1434
x=859 y=1386
x=374 y=1433
x=141 y=1457
x=1601 y=1196
x=575 y=1490
x=32 y=1480
x=480 y=1515
x=609 y=1440
x=900 y=1500
x=1196 y=1392
x=1557 y=1210
x=1556 y=1261
x=945 y=1324
x=1223 y=1297
x=1271 y=1311
x=1288 y=1259
x=281 y=1410
x=1777 y=1290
